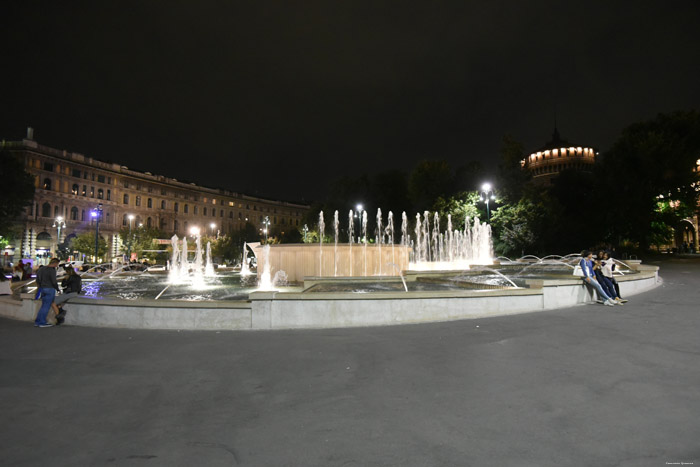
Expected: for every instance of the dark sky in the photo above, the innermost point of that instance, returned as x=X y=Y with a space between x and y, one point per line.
x=276 y=99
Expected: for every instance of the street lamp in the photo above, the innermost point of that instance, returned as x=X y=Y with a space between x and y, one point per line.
x=213 y=226
x=486 y=195
x=97 y=215
x=194 y=231
x=59 y=223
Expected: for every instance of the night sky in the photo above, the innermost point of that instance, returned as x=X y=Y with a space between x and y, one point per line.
x=276 y=99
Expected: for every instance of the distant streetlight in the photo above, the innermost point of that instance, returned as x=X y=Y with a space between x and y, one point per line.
x=486 y=195
x=194 y=231
x=59 y=223
x=97 y=215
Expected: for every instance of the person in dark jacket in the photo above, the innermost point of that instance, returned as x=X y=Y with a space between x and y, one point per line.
x=72 y=285
x=47 y=286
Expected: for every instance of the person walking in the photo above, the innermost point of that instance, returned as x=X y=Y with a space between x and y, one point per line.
x=588 y=278
x=48 y=286
x=72 y=285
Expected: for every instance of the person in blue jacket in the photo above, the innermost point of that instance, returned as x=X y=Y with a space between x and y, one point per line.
x=589 y=279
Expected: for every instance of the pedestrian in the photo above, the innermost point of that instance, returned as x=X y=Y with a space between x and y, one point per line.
x=608 y=267
x=604 y=281
x=18 y=272
x=48 y=286
x=27 y=271
x=588 y=278
x=72 y=285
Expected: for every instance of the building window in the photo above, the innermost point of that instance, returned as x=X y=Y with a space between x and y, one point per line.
x=126 y=198
x=92 y=192
x=196 y=210
x=84 y=190
x=138 y=201
x=82 y=215
x=48 y=166
x=109 y=195
x=205 y=211
x=213 y=212
x=175 y=226
x=149 y=202
x=100 y=193
x=149 y=222
x=76 y=173
x=101 y=178
x=74 y=213
x=162 y=204
x=47 y=184
x=125 y=220
x=76 y=188
x=186 y=208
x=230 y=214
x=221 y=213
x=176 y=208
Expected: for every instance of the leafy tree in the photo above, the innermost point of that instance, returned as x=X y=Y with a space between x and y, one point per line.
x=85 y=244
x=521 y=228
x=230 y=247
x=651 y=159
x=18 y=192
x=512 y=179
x=140 y=238
x=459 y=207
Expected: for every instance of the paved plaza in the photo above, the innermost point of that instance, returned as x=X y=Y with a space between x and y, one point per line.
x=584 y=386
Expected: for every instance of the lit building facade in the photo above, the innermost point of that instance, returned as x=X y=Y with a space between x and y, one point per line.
x=70 y=186
x=556 y=156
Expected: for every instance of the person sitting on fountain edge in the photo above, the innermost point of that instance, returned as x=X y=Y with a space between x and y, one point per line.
x=72 y=285
x=588 y=278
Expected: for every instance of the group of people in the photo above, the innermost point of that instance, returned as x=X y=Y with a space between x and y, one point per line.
x=22 y=271
x=598 y=273
x=48 y=290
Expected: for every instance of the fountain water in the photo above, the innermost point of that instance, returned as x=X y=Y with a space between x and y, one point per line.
x=321 y=233
x=336 y=224
x=266 y=277
x=245 y=270
x=209 y=268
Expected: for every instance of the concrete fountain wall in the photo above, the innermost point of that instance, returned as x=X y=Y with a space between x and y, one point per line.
x=285 y=310
x=309 y=259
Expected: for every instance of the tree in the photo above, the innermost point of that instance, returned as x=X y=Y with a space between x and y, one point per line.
x=460 y=206
x=18 y=192
x=85 y=244
x=139 y=239
x=652 y=160
x=230 y=247
x=512 y=179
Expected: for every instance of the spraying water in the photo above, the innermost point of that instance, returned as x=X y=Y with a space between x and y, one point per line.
x=336 y=226
x=321 y=233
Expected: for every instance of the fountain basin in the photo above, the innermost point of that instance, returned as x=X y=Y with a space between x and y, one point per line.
x=291 y=310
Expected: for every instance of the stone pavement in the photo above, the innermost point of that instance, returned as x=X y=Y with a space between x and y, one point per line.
x=584 y=386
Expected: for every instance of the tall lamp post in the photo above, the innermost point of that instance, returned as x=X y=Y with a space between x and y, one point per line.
x=486 y=195
x=97 y=215
x=59 y=223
